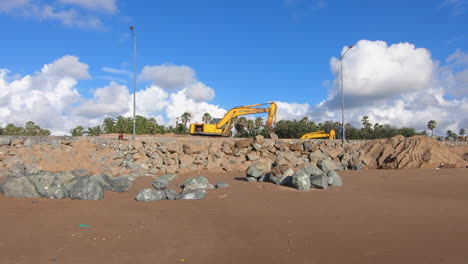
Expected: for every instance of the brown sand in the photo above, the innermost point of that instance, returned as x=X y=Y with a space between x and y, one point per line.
x=384 y=216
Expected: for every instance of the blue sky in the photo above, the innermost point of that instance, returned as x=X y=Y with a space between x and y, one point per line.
x=245 y=51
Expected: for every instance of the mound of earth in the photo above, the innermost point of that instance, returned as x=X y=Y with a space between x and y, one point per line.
x=414 y=152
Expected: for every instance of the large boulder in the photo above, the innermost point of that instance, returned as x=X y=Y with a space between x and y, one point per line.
x=191 y=148
x=334 y=179
x=325 y=165
x=312 y=170
x=319 y=181
x=49 y=186
x=118 y=184
x=68 y=178
x=171 y=194
x=20 y=188
x=5 y=141
x=160 y=183
x=149 y=195
x=286 y=158
x=300 y=181
x=194 y=194
x=196 y=183
x=256 y=170
x=281 y=175
x=243 y=143
x=87 y=189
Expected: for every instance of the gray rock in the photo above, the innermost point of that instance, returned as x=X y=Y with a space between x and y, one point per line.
x=251 y=179
x=334 y=179
x=324 y=165
x=264 y=178
x=169 y=177
x=171 y=194
x=281 y=176
x=256 y=146
x=119 y=184
x=49 y=186
x=5 y=141
x=194 y=194
x=222 y=185
x=312 y=170
x=80 y=173
x=87 y=189
x=210 y=186
x=67 y=178
x=20 y=188
x=319 y=181
x=308 y=146
x=300 y=181
x=196 y=183
x=3 y=182
x=253 y=156
x=149 y=195
x=256 y=170
x=160 y=183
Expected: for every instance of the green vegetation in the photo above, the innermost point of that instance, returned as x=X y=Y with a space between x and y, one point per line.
x=30 y=129
x=243 y=126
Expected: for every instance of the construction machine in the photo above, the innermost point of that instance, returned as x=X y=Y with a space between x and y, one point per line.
x=320 y=134
x=222 y=126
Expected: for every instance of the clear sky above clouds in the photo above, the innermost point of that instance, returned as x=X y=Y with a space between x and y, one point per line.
x=69 y=62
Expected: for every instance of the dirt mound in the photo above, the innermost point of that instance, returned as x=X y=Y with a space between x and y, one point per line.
x=414 y=152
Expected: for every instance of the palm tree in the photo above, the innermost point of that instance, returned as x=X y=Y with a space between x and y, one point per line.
x=185 y=118
x=250 y=126
x=432 y=125
x=258 y=124
x=240 y=124
x=206 y=118
x=462 y=132
x=108 y=125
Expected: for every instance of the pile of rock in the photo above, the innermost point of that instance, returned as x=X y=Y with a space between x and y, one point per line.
x=76 y=184
x=174 y=155
x=310 y=175
x=192 y=189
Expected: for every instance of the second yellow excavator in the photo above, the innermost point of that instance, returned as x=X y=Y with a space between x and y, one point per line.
x=320 y=134
x=222 y=126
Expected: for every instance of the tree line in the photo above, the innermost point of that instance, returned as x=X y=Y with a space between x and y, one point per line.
x=29 y=129
x=243 y=128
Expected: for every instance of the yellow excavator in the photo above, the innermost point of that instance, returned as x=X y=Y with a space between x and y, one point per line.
x=222 y=126
x=320 y=134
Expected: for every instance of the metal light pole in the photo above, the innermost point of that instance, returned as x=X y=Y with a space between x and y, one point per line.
x=134 y=78
x=342 y=97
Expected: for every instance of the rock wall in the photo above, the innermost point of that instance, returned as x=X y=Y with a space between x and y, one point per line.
x=171 y=155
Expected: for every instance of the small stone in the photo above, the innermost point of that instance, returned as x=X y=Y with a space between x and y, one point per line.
x=222 y=185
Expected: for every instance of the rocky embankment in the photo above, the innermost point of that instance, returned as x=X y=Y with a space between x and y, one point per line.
x=171 y=155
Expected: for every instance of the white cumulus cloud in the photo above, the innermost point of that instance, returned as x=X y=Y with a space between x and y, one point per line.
x=170 y=77
x=397 y=84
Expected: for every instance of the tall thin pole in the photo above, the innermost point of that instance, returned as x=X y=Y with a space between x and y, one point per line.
x=134 y=79
x=342 y=97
